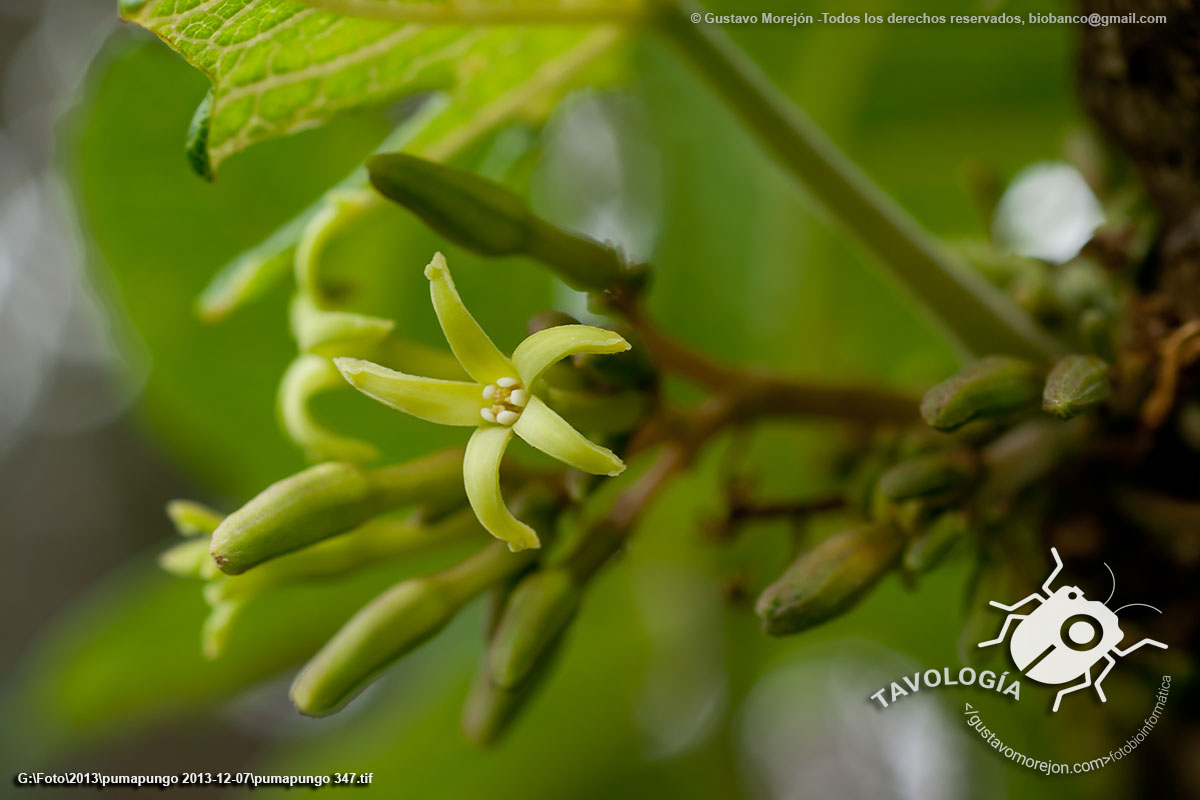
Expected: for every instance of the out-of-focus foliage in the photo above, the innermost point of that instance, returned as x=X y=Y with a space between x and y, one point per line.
x=744 y=269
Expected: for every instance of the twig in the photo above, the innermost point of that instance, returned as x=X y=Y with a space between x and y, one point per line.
x=744 y=509
x=1172 y=358
x=795 y=508
x=756 y=393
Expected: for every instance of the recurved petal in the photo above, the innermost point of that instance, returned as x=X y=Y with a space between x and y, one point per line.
x=472 y=347
x=444 y=402
x=481 y=475
x=554 y=436
x=549 y=346
x=331 y=333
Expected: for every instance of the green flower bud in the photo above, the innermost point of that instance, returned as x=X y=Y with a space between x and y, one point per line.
x=319 y=502
x=829 y=579
x=193 y=519
x=393 y=624
x=471 y=211
x=925 y=476
x=537 y=612
x=490 y=710
x=990 y=387
x=327 y=500
x=487 y=218
x=931 y=546
x=1075 y=385
x=374 y=542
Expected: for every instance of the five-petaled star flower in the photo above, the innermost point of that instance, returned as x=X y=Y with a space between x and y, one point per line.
x=502 y=401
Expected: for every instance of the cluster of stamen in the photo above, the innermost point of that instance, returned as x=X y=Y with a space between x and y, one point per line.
x=507 y=400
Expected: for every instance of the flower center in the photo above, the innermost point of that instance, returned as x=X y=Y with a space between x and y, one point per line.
x=507 y=400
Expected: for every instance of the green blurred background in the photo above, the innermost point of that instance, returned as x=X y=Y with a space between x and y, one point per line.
x=667 y=688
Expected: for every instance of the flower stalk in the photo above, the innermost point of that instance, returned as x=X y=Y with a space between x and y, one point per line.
x=973 y=313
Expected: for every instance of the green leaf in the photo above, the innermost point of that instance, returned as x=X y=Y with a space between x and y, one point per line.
x=280 y=66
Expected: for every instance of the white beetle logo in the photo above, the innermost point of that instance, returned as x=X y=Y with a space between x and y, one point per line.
x=1064 y=637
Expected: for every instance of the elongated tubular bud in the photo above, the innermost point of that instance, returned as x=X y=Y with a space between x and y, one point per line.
x=829 y=579
x=474 y=212
x=487 y=218
x=391 y=625
x=990 y=387
x=925 y=476
x=374 y=542
x=327 y=500
x=193 y=519
x=582 y=262
x=537 y=612
x=295 y=512
x=490 y=710
x=931 y=546
x=1076 y=384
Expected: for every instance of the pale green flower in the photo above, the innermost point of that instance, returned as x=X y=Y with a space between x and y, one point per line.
x=502 y=400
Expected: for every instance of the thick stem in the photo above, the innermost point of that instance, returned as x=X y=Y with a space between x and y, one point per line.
x=976 y=315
